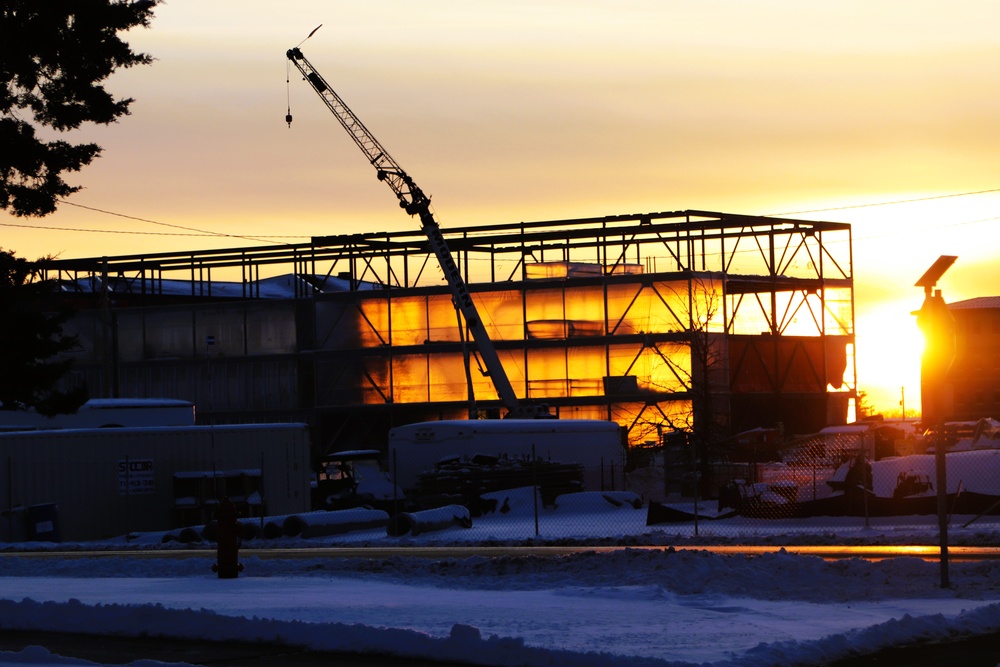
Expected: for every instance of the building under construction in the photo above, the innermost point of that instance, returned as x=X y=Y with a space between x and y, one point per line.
x=689 y=321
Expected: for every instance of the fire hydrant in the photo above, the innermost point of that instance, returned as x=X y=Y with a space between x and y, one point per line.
x=227 y=530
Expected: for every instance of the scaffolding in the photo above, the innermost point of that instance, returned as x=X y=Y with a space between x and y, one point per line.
x=688 y=320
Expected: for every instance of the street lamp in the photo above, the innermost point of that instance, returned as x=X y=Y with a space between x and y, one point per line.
x=938 y=327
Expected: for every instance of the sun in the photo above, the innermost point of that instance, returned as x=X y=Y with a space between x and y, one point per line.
x=888 y=348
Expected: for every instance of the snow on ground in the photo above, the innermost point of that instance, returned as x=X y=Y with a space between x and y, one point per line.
x=633 y=607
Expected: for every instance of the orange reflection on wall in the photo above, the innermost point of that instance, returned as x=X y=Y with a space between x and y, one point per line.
x=585 y=310
x=585 y=368
x=559 y=313
x=647 y=424
x=665 y=367
x=447 y=379
x=583 y=412
x=547 y=373
x=374 y=380
x=839 y=311
x=706 y=307
x=409 y=319
x=419 y=378
x=442 y=319
x=793 y=313
x=661 y=307
x=502 y=314
x=372 y=322
x=410 y=379
x=556 y=313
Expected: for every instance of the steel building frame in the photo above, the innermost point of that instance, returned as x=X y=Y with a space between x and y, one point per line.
x=786 y=291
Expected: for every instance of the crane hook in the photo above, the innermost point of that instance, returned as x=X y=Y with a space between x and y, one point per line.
x=288 y=117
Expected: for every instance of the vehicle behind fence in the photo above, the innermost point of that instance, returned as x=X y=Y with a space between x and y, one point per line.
x=841 y=484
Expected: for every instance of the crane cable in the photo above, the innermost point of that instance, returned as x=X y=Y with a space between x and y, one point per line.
x=288 y=92
x=288 y=78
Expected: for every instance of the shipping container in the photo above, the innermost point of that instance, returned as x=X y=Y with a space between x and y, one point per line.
x=104 y=483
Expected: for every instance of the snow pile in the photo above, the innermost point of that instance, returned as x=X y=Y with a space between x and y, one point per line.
x=608 y=608
x=644 y=605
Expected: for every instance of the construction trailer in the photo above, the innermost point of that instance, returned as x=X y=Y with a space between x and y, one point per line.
x=594 y=444
x=89 y=484
x=105 y=413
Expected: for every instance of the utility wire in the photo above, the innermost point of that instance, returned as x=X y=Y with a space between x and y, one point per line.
x=889 y=203
x=193 y=231
x=166 y=224
x=107 y=231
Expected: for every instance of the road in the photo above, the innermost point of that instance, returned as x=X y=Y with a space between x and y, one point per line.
x=982 y=651
x=828 y=552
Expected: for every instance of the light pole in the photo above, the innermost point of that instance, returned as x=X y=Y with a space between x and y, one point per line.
x=938 y=327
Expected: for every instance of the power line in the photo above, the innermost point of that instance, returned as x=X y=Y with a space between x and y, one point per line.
x=196 y=232
x=191 y=231
x=871 y=236
x=263 y=239
x=107 y=231
x=889 y=203
x=926 y=229
x=132 y=217
x=199 y=232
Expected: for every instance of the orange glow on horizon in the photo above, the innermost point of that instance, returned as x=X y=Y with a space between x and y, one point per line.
x=889 y=347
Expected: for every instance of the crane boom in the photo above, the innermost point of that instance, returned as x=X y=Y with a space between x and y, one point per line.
x=413 y=200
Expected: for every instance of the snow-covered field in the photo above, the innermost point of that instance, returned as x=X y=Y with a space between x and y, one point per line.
x=625 y=608
x=630 y=607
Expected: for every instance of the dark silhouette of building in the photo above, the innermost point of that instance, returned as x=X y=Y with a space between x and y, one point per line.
x=975 y=373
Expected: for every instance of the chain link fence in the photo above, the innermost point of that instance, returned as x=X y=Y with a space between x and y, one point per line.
x=835 y=487
x=838 y=485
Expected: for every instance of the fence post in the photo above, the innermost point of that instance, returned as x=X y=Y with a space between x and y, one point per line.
x=867 y=483
x=942 y=502
x=536 y=492
x=263 y=494
x=697 y=489
x=128 y=499
x=394 y=467
x=10 y=499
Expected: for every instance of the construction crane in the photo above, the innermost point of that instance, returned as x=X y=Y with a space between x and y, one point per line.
x=413 y=200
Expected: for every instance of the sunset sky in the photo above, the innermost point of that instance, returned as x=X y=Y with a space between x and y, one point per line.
x=882 y=114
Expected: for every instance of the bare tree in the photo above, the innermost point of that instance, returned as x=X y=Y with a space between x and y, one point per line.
x=697 y=311
x=705 y=374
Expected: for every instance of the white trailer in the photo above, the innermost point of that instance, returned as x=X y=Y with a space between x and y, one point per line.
x=105 y=413
x=593 y=443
